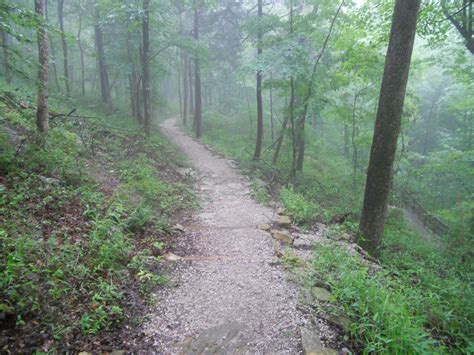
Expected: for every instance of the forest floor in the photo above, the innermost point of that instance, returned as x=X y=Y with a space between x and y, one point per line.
x=231 y=294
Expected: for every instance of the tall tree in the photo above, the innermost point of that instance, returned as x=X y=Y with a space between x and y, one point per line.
x=103 y=74
x=52 y=55
x=197 y=76
x=387 y=124
x=6 y=62
x=185 y=89
x=42 y=114
x=258 y=145
x=146 y=67
x=81 y=54
x=463 y=20
x=64 y=44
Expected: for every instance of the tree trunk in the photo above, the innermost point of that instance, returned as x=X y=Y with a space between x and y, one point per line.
x=53 y=53
x=354 y=145
x=185 y=89
x=146 y=67
x=258 y=145
x=64 y=44
x=301 y=151
x=197 y=90
x=464 y=27
x=346 y=141
x=180 y=94
x=271 y=108
x=6 y=63
x=42 y=114
x=191 y=92
x=103 y=75
x=387 y=124
x=81 y=54
x=138 y=100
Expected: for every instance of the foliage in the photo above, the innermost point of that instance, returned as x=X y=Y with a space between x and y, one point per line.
x=72 y=254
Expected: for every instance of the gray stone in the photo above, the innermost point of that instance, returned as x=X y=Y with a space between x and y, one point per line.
x=283 y=236
x=342 y=322
x=312 y=344
x=264 y=227
x=223 y=339
x=284 y=221
x=321 y=294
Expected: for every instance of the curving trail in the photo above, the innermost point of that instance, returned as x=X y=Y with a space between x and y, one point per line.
x=229 y=297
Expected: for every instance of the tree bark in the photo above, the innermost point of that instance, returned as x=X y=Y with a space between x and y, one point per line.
x=6 y=63
x=191 y=92
x=81 y=54
x=299 y=141
x=146 y=67
x=53 y=53
x=103 y=75
x=185 y=91
x=64 y=44
x=465 y=27
x=42 y=113
x=197 y=83
x=387 y=124
x=271 y=108
x=258 y=145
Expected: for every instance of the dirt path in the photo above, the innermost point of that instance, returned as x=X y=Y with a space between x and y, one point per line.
x=230 y=296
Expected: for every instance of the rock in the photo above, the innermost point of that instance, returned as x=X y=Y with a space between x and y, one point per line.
x=118 y=352
x=342 y=322
x=49 y=181
x=284 y=221
x=172 y=257
x=321 y=294
x=222 y=339
x=312 y=344
x=280 y=211
x=264 y=227
x=283 y=236
x=303 y=244
x=179 y=227
x=345 y=236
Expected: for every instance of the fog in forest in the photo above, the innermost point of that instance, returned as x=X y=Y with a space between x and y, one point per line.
x=217 y=176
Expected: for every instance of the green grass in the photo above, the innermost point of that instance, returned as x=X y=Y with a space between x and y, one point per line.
x=72 y=253
x=420 y=302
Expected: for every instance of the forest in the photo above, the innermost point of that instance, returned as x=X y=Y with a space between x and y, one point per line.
x=237 y=176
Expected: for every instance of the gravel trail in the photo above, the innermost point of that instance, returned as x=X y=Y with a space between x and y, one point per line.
x=229 y=296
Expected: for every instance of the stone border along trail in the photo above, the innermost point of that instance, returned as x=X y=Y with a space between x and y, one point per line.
x=230 y=297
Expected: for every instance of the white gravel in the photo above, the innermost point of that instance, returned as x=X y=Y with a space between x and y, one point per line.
x=236 y=284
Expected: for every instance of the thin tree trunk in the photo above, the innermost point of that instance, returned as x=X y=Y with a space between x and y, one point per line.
x=42 y=113
x=258 y=145
x=138 y=100
x=64 y=44
x=185 y=89
x=81 y=54
x=191 y=92
x=103 y=75
x=301 y=151
x=387 y=124
x=354 y=146
x=146 y=67
x=53 y=52
x=346 y=141
x=6 y=63
x=197 y=90
x=271 y=108
x=299 y=144
x=180 y=95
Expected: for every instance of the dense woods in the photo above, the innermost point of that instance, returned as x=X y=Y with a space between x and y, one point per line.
x=353 y=115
